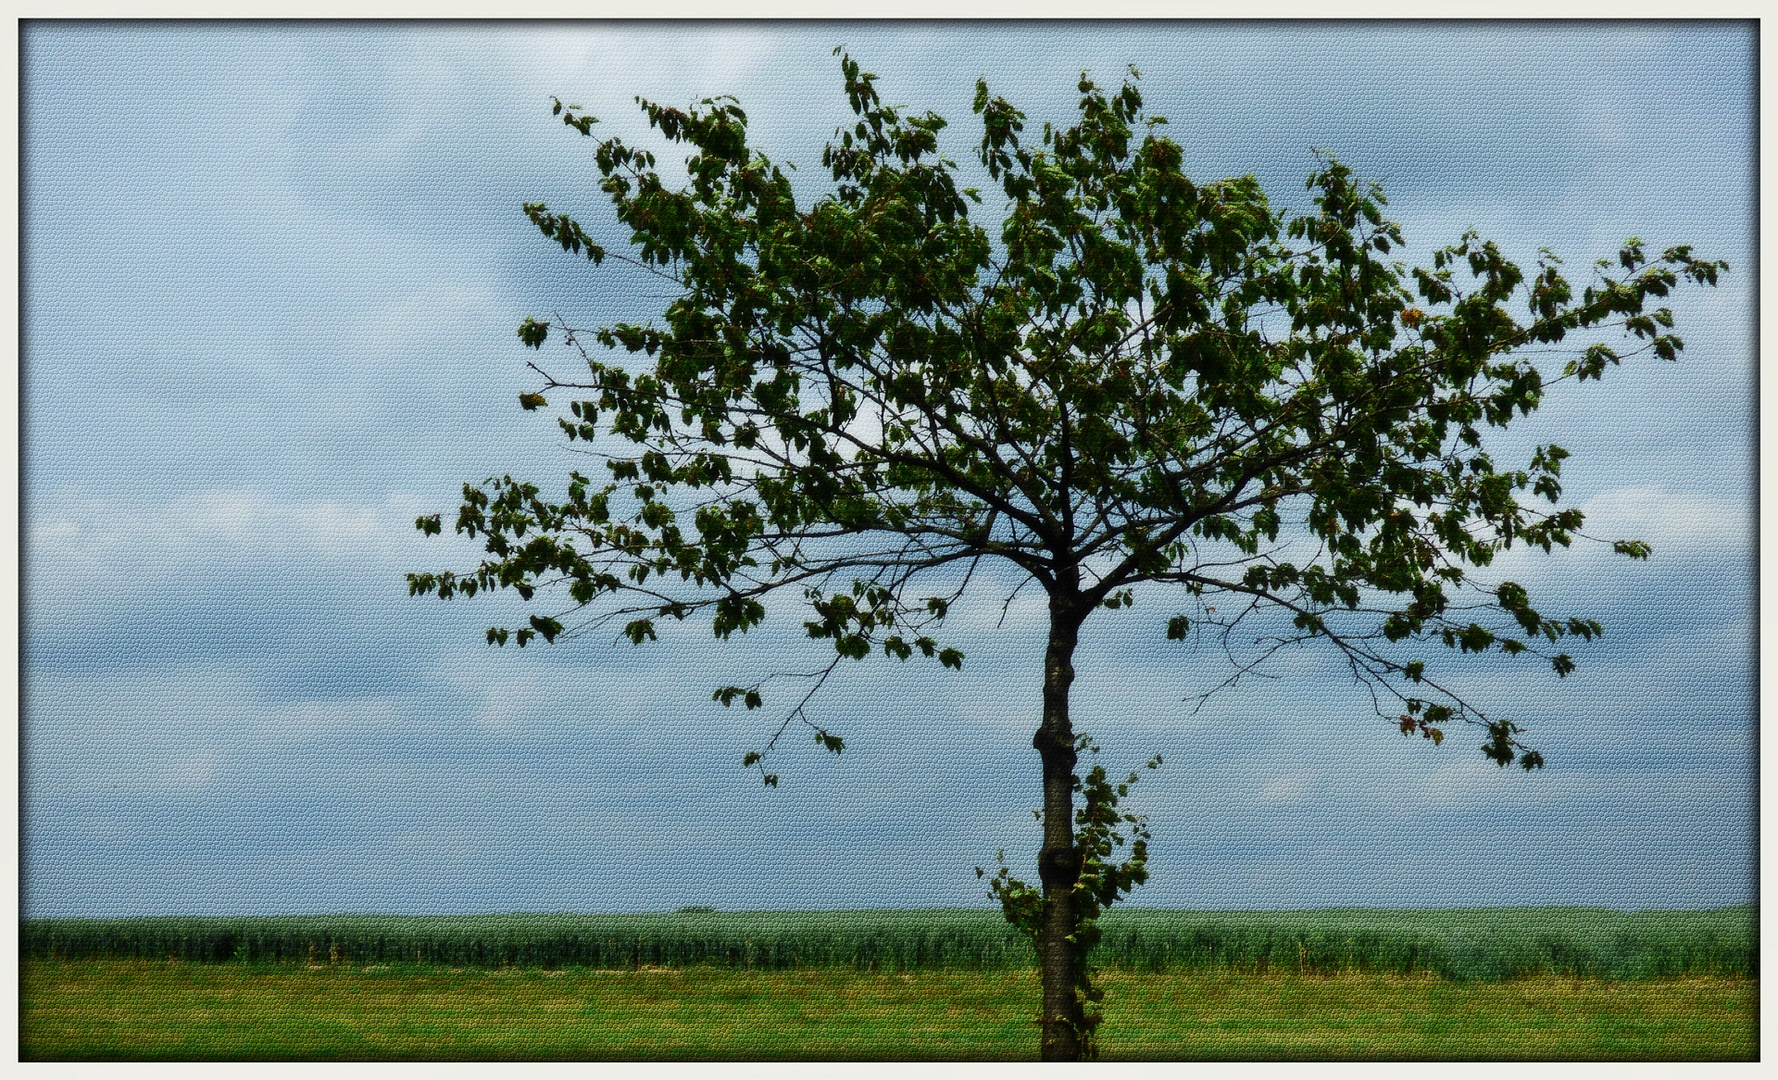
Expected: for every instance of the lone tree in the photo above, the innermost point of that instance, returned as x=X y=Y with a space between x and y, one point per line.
x=1139 y=381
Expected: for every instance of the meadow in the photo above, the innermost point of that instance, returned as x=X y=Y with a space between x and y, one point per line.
x=1534 y=983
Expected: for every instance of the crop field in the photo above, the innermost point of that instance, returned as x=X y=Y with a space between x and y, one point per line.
x=1486 y=944
x=1363 y=984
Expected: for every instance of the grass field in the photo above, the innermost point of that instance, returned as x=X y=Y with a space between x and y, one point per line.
x=172 y=1010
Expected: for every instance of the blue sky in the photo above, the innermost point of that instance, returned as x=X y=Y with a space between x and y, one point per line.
x=271 y=281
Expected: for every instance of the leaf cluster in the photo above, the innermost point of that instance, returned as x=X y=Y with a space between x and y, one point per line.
x=1101 y=828
x=1136 y=383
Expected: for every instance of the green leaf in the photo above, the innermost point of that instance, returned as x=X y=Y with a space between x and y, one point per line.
x=533 y=333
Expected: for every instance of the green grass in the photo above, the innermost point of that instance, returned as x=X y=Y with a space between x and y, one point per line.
x=107 y=1010
x=1487 y=944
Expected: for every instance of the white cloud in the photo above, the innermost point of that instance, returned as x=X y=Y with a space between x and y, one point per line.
x=1683 y=530
x=1290 y=790
x=1691 y=524
x=92 y=552
x=194 y=705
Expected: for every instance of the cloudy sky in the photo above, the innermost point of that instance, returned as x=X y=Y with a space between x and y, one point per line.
x=271 y=281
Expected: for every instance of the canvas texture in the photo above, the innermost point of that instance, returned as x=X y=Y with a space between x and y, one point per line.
x=271 y=277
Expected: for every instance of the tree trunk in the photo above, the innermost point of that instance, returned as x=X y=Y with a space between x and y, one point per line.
x=1058 y=864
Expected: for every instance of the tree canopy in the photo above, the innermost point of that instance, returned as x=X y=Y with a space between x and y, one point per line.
x=1137 y=386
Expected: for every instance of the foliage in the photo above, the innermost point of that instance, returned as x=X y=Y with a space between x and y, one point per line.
x=1134 y=381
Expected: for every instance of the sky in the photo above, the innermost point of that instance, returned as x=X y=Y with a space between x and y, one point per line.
x=271 y=280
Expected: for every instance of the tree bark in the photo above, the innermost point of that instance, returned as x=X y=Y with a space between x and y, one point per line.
x=1058 y=863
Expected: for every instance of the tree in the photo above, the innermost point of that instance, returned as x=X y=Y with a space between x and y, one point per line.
x=1141 y=384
